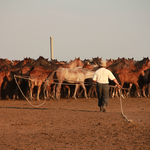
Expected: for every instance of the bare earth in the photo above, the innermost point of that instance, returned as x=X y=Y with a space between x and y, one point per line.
x=75 y=124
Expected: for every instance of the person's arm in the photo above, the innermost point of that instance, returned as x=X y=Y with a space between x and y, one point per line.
x=119 y=86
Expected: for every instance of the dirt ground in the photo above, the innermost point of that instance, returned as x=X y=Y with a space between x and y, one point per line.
x=78 y=124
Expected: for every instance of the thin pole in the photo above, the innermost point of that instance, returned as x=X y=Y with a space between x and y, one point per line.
x=51 y=47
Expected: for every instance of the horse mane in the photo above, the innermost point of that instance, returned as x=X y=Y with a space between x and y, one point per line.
x=142 y=62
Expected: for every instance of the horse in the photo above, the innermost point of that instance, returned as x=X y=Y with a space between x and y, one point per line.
x=73 y=64
x=74 y=76
x=132 y=78
x=144 y=82
x=3 y=80
x=36 y=79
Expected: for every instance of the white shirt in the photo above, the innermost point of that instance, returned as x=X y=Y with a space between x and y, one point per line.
x=102 y=75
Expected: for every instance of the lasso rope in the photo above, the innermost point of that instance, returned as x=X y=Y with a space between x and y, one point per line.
x=67 y=84
x=25 y=96
x=33 y=78
x=122 y=109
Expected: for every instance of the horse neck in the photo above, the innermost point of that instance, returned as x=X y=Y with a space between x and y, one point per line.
x=140 y=71
x=70 y=65
x=80 y=63
x=51 y=76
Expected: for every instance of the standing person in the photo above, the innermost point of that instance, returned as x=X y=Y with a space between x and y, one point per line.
x=102 y=76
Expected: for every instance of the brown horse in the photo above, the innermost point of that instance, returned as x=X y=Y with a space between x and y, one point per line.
x=3 y=77
x=74 y=76
x=132 y=77
x=36 y=79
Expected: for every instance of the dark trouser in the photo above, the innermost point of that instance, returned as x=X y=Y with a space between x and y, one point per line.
x=103 y=94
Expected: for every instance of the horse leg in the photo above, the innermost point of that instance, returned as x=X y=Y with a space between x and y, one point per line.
x=53 y=92
x=76 y=88
x=90 y=91
x=148 y=94
x=0 y=93
x=16 y=91
x=30 y=90
x=79 y=95
x=112 y=90
x=117 y=93
x=143 y=90
x=84 y=88
x=30 y=97
x=45 y=89
x=137 y=89
x=5 y=88
x=38 y=92
x=68 y=96
x=95 y=91
x=45 y=93
x=58 y=90
x=31 y=86
x=128 y=93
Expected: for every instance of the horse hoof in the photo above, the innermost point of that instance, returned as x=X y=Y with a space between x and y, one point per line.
x=57 y=98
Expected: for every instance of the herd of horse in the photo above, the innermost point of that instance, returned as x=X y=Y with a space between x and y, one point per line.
x=44 y=79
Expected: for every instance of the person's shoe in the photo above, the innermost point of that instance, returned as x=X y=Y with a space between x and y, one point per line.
x=103 y=109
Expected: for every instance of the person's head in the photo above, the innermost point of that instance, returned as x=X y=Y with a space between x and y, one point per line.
x=103 y=64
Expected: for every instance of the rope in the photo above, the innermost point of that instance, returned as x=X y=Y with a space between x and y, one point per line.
x=25 y=96
x=67 y=84
x=122 y=110
x=32 y=78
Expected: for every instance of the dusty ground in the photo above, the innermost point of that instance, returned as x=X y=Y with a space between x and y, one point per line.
x=75 y=124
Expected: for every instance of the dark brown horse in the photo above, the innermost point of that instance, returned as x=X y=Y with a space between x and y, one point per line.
x=144 y=83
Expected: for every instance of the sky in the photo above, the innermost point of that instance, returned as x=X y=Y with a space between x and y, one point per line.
x=107 y=29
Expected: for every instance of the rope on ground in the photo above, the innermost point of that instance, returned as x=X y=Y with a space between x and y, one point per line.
x=25 y=96
x=122 y=110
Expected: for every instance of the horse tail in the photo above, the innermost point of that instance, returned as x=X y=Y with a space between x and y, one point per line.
x=48 y=82
x=50 y=78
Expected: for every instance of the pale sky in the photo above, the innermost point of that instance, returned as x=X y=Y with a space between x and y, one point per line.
x=80 y=28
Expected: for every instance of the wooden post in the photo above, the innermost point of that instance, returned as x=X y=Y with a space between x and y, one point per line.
x=51 y=47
